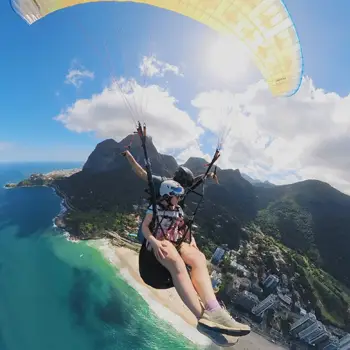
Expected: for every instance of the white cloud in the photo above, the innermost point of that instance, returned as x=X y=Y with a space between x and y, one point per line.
x=150 y=67
x=192 y=150
x=108 y=115
x=282 y=139
x=77 y=73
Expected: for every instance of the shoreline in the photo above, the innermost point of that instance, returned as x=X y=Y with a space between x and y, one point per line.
x=167 y=304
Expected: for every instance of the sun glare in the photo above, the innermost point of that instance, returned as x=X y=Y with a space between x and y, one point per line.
x=227 y=59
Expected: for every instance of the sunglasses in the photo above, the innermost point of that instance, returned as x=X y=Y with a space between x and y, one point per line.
x=178 y=196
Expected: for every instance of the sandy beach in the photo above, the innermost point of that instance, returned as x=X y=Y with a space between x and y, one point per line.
x=167 y=304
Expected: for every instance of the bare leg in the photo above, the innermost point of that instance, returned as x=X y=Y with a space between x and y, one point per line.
x=214 y=318
x=199 y=273
x=182 y=281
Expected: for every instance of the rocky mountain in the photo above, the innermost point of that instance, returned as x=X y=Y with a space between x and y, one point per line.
x=310 y=217
x=256 y=182
x=107 y=181
x=106 y=156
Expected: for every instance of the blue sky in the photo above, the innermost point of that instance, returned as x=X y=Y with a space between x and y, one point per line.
x=36 y=59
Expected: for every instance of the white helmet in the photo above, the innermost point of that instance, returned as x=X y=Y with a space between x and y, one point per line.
x=170 y=188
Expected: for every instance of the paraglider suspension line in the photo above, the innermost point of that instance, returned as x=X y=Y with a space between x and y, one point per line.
x=143 y=137
x=192 y=189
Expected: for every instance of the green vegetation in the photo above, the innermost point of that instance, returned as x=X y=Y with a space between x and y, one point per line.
x=328 y=297
x=94 y=223
x=10 y=185
x=313 y=287
x=34 y=180
x=312 y=218
x=207 y=245
x=300 y=230
x=289 y=223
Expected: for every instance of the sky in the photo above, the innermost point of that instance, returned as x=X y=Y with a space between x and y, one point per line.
x=86 y=73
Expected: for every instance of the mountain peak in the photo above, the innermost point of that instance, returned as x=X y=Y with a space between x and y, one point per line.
x=309 y=215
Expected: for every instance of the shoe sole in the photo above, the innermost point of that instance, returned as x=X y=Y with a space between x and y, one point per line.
x=224 y=330
x=217 y=338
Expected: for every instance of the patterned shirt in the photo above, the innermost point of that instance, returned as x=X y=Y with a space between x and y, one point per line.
x=171 y=223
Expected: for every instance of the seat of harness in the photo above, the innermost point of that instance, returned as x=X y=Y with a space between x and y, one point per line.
x=152 y=272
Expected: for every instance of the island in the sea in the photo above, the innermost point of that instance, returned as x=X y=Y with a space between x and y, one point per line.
x=47 y=179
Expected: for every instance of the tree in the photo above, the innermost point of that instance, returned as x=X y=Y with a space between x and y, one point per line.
x=226 y=264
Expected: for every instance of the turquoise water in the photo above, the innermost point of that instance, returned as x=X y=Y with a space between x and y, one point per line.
x=55 y=294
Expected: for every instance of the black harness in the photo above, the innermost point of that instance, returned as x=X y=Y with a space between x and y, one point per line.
x=151 y=270
x=173 y=215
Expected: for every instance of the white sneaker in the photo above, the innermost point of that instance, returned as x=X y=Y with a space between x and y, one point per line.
x=219 y=339
x=221 y=321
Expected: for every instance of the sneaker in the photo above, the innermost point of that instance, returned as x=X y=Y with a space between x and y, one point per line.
x=221 y=321
x=219 y=339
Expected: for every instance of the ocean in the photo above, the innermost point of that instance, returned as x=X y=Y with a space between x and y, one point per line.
x=55 y=294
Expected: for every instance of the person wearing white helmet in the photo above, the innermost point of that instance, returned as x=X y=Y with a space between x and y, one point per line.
x=182 y=175
x=170 y=215
x=162 y=257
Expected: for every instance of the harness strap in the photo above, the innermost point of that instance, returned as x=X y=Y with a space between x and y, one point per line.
x=164 y=214
x=193 y=188
x=142 y=134
x=155 y=219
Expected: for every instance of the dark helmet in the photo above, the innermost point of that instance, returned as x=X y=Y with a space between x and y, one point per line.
x=184 y=177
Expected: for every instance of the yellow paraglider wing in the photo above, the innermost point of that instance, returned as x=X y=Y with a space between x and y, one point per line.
x=264 y=26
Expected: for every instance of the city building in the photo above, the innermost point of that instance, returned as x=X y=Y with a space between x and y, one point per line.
x=315 y=332
x=302 y=312
x=331 y=344
x=344 y=343
x=215 y=279
x=216 y=275
x=266 y=304
x=255 y=289
x=245 y=284
x=271 y=282
x=218 y=255
x=216 y=284
x=233 y=288
x=282 y=290
x=322 y=336
x=240 y=268
x=285 y=280
x=302 y=323
x=306 y=332
x=247 y=300
x=285 y=300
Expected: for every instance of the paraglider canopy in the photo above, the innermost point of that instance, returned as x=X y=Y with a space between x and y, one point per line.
x=264 y=26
